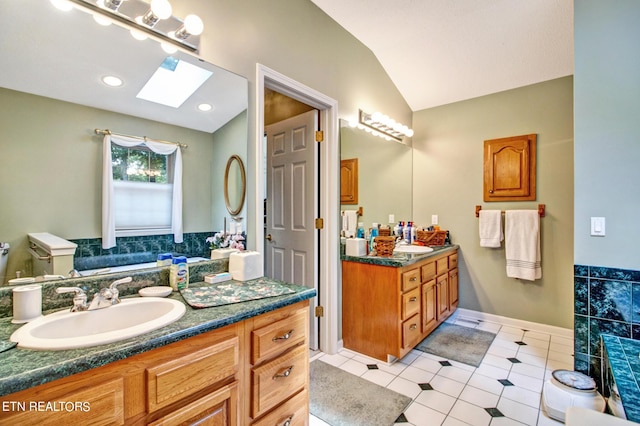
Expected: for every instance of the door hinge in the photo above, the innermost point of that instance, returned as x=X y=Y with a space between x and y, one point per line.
x=319 y=223
x=319 y=136
x=319 y=311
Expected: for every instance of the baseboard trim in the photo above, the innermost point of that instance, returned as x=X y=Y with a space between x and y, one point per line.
x=526 y=325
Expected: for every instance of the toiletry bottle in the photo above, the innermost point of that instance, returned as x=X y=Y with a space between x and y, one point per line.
x=360 y=232
x=400 y=229
x=164 y=259
x=374 y=234
x=406 y=233
x=179 y=273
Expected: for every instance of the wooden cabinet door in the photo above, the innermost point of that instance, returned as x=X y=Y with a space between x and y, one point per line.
x=349 y=181
x=510 y=169
x=429 y=306
x=443 y=295
x=453 y=289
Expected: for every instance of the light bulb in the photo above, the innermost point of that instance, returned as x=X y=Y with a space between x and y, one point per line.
x=63 y=5
x=168 y=48
x=409 y=133
x=193 y=24
x=376 y=116
x=101 y=20
x=138 y=35
x=353 y=123
x=161 y=8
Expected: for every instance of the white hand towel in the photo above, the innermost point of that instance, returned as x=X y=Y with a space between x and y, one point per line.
x=490 y=227
x=349 y=222
x=522 y=244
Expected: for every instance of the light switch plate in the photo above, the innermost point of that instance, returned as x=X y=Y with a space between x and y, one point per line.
x=434 y=219
x=392 y=218
x=598 y=227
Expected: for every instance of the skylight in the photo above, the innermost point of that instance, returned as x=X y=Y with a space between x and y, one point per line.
x=173 y=82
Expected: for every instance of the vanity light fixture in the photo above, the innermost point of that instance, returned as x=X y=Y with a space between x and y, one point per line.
x=381 y=125
x=152 y=19
x=63 y=5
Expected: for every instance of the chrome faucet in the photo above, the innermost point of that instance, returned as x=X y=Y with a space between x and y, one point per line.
x=103 y=299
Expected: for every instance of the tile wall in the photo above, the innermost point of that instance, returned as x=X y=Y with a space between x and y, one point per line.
x=130 y=250
x=607 y=301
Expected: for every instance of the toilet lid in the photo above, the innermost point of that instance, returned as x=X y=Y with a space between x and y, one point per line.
x=574 y=380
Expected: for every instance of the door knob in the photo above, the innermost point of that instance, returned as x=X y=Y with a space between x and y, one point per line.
x=269 y=237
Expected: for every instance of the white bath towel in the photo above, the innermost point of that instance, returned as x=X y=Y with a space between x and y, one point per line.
x=349 y=223
x=522 y=244
x=490 y=227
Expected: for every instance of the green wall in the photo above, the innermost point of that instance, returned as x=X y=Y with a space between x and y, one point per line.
x=607 y=125
x=448 y=176
x=51 y=170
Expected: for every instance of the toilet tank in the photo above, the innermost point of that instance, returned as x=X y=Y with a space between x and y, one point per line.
x=51 y=255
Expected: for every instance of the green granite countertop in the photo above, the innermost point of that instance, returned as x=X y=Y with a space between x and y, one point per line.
x=398 y=260
x=24 y=368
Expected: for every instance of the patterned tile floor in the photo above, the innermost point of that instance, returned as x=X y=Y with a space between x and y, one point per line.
x=504 y=390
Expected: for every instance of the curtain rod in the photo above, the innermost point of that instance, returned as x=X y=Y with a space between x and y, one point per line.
x=142 y=138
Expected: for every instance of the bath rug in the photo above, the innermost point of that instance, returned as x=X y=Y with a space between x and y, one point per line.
x=343 y=399
x=457 y=343
x=228 y=292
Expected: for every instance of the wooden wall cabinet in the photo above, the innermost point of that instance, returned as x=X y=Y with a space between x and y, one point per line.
x=222 y=377
x=387 y=311
x=349 y=181
x=510 y=169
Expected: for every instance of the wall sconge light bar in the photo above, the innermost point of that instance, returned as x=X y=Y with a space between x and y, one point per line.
x=384 y=126
x=154 y=19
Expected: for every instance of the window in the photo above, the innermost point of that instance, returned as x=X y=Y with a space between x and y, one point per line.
x=142 y=190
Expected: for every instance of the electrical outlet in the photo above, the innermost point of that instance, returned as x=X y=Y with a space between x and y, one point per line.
x=434 y=219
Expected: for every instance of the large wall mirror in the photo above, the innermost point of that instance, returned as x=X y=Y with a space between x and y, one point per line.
x=384 y=175
x=52 y=99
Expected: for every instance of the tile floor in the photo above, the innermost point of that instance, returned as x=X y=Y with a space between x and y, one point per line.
x=504 y=390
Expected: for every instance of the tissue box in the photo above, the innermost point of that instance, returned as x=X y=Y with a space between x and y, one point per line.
x=356 y=247
x=245 y=265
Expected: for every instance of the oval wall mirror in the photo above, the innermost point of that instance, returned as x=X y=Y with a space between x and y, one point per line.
x=235 y=182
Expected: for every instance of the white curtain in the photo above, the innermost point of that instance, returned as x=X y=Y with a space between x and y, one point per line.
x=108 y=210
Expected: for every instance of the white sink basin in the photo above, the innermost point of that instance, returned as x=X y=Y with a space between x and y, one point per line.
x=412 y=249
x=71 y=330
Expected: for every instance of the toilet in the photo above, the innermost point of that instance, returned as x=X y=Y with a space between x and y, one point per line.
x=50 y=254
x=567 y=389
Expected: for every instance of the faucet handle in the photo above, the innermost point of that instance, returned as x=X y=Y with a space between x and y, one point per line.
x=114 y=290
x=79 y=300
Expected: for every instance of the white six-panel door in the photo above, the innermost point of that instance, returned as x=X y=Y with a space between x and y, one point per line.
x=291 y=237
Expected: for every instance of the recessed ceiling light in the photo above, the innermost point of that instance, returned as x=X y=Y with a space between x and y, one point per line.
x=111 y=80
x=173 y=82
x=205 y=107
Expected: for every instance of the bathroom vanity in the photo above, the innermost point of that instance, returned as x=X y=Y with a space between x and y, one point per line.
x=389 y=304
x=240 y=364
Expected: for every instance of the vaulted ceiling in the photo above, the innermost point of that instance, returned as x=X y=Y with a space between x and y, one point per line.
x=442 y=51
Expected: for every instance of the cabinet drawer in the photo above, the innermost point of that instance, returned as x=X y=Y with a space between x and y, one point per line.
x=453 y=261
x=176 y=379
x=217 y=408
x=275 y=338
x=277 y=380
x=411 y=331
x=411 y=303
x=428 y=271
x=294 y=411
x=98 y=404
x=410 y=279
x=442 y=265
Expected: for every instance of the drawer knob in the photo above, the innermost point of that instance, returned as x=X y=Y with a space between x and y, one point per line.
x=413 y=326
x=413 y=278
x=413 y=299
x=285 y=373
x=285 y=336
x=288 y=421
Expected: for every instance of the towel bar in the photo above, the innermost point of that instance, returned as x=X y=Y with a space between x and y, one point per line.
x=541 y=210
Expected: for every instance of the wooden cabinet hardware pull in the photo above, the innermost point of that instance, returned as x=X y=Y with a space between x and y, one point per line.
x=413 y=326
x=285 y=336
x=413 y=278
x=288 y=421
x=285 y=373
x=413 y=299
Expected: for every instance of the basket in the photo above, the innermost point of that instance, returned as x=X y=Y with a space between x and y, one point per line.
x=384 y=232
x=384 y=245
x=431 y=238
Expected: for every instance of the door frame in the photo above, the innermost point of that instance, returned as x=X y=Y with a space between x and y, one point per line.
x=328 y=191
